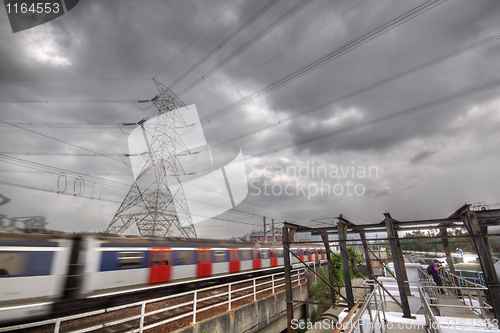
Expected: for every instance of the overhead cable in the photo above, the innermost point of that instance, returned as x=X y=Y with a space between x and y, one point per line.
x=245 y=46
x=296 y=43
x=216 y=49
x=376 y=121
x=61 y=141
x=381 y=29
x=427 y=64
x=215 y=19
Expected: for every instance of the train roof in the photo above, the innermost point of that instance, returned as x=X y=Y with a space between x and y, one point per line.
x=38 y=235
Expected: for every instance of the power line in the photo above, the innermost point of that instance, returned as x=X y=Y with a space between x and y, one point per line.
x=215 y=19
x=54 y=191
x=58 y=154
x=61 y=141
x=216 y=49
x=34 y=188
x=74 y=80
x=470 y=47
x=53 y=170
x=282 y=19
x=64 y=125
x=312 y=33
x=63 y=101
x=360 y=40
x=432 y=62
x=376 y=121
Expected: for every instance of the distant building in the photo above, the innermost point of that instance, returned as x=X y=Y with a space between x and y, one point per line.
x=258 y=236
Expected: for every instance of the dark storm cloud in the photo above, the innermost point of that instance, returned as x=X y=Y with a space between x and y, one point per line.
x=136 y=39
x=422 y=155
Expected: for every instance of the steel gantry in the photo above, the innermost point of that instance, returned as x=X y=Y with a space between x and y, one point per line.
x=475 y=222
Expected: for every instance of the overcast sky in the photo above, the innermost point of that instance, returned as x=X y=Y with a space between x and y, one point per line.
x=89 y=65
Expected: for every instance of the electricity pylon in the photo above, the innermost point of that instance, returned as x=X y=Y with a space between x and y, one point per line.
x=156 y=200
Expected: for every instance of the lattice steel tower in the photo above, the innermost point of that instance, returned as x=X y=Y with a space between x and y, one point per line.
x=156 y=200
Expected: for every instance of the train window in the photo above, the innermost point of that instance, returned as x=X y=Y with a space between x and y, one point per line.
x=256 y=254
x=265 y=254
x=133 y=259
x=155 y=259
x=204 y=257
x=220 y=256
x=300 y=252
x=185 y=258
x=245 y=255
x=273 y=253
x=233 y=255
x=280 y=253
x=13 y=263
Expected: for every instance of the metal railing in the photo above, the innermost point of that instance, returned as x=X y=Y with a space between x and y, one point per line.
x=371 y=317
x=469 y=277
x=374 y=305
x=473 y=296
x=430 y=319
x=298 y=276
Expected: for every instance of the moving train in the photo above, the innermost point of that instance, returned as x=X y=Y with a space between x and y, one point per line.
x=38 y=269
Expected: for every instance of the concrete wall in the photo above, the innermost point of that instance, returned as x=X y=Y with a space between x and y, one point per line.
x=264 y=316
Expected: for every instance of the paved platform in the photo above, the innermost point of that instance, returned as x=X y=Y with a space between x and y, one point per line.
x=455 y=308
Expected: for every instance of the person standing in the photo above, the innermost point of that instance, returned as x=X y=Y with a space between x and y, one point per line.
x=435 y=274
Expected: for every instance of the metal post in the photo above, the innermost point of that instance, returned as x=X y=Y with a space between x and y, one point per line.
x=264 y=230
x=470 y=221
x=446 y=248
x=324 y=236
x=143 y=310
x=254 y=291
x=57 y=325
x=272 y=225
x=449 y=259
x=272 y=279
x=229 y=299
x=342 y=230
x=396 y=257
x=288 y=279
x=194 y=306
x=314 y=267
x=367 y=253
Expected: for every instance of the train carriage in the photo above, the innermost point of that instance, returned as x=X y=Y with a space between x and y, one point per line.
x=28 y=262
x=89 y=265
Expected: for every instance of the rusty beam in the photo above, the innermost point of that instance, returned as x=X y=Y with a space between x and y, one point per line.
x=288 y=233
x=399 y=268
x=329 y=265
x=342 y=228
x=492 y=282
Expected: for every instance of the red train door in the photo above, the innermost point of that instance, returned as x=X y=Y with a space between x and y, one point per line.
x=316 y=251
x=301 y=254
x=309 y=256
x=274 y=257
x=160 y=263
x=322 y=254
x=257 y=262
x=204 y=262
x=234 y=260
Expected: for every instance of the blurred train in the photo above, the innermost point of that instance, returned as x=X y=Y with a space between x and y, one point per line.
x=37 y=270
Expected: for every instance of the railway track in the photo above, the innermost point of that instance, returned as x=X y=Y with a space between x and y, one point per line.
x=165 y=313
x=97 y=302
